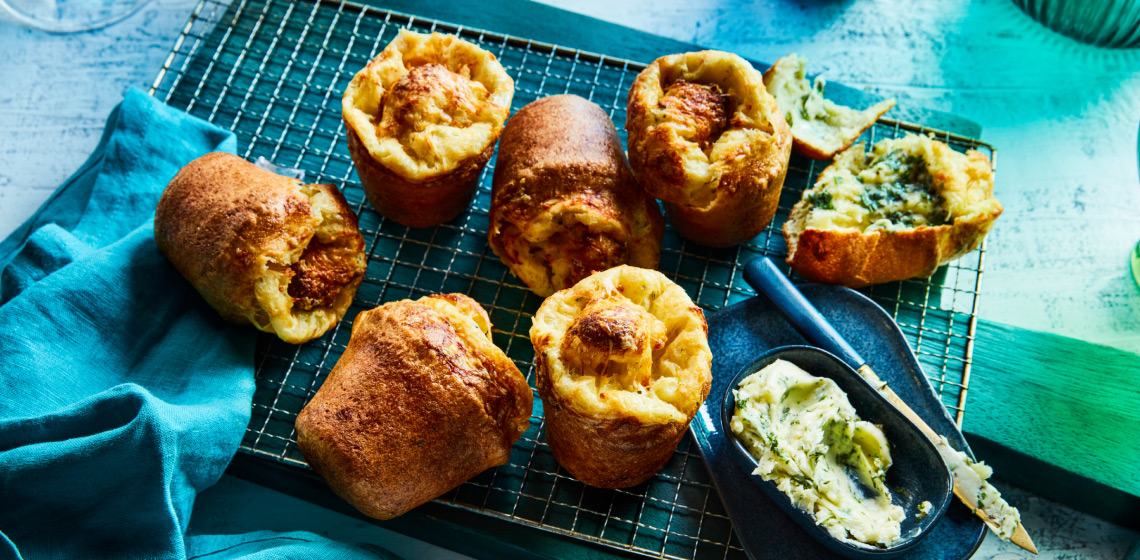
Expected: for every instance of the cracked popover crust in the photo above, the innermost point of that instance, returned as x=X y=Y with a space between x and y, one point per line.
x=622 y=364
x=707 y=139
x=422 y=119
x=899 y=211
x=565 y=203
x=262 y=248
x=420 y=401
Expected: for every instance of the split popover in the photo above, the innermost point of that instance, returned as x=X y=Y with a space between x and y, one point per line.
x=706 y=138
x=261 y=248
x=422 y=119
x=821 y=128
x=622 y=364
x=420 y=401
x=898 y=212
x=565 y=203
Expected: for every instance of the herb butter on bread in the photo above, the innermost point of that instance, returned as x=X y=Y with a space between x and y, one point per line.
x=899 y=211
x=820 y=128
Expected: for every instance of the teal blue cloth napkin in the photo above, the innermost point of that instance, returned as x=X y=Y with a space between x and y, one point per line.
x=122 y=394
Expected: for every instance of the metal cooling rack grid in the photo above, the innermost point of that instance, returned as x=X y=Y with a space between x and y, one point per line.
x=273 y=72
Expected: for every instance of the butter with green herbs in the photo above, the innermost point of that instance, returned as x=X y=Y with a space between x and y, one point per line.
x=808 y=440
x=972 y=479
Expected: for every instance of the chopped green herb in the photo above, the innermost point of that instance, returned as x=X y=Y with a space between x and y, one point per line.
x=820 y=199
x=902 y=192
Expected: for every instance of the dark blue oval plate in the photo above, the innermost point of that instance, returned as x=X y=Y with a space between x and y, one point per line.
x=918 y=473
x=741 y=333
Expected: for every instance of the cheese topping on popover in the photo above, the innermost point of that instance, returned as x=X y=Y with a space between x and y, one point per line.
x=625 y=342
x=426 y=103
x=703 y=111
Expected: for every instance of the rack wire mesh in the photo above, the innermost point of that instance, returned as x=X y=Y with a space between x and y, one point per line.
x=273 y=71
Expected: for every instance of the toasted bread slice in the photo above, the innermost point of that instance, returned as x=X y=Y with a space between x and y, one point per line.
x=820 y=128
x=898 y=212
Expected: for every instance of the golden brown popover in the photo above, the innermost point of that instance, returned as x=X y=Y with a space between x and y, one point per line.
x=262 y=248
x=564 y=203
x=422 y=119
x=706 y=138
x=821 y=128
x=622 y=364
x=899 y=212
x=420 y=401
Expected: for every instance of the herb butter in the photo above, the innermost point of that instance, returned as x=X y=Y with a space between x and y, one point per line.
x=924 y=509
x=808 y=440
x=891 y=188
x=972 y=479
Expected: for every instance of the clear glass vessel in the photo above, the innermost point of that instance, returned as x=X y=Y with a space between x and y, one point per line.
x=68 y=16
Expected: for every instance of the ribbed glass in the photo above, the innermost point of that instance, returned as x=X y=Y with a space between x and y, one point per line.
x=1107 y=23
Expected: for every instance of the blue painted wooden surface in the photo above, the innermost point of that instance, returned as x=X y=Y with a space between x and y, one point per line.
x=1063 y=116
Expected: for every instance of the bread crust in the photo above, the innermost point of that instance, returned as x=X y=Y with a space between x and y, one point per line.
x=420 y=401
x=860 y=258
x=224 y=222
x=564 y=202
x=720 y=183
x=622 y=365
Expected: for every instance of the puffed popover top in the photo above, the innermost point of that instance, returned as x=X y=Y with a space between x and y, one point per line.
x=427 y=103
x=625 y=342
x=693 y=117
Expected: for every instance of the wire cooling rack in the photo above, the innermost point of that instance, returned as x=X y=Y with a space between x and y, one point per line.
x=273 y=71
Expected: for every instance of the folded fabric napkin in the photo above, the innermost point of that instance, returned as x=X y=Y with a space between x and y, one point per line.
x=122 y=394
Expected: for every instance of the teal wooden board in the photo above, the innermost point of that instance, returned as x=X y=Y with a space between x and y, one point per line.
x=1060 y=416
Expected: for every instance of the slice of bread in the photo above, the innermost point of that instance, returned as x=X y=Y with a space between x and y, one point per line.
x=897 y=211
x=820 y=128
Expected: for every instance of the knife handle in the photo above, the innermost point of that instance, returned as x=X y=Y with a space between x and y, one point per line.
x=766 y=279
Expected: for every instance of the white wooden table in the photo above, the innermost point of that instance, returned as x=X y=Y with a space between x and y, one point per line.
x=1062 y=115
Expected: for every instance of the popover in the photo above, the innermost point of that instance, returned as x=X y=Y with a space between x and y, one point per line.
x=565 y=203
x=420 y=401
x=422 y=119
x=262 y=248
x=622 y=364
x=707 y=139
